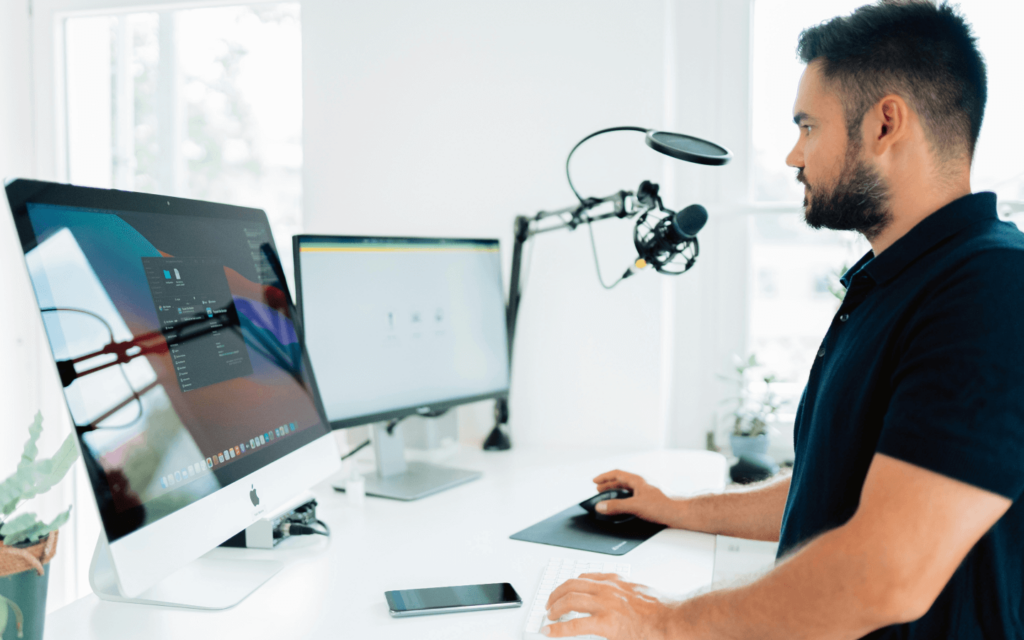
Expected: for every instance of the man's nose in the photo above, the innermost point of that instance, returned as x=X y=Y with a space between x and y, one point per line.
x=795 y=158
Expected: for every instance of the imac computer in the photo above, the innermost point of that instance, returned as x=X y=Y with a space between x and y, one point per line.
x=193 y=400
x=398 y=327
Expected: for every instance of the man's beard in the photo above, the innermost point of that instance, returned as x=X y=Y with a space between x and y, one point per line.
x=858 y=202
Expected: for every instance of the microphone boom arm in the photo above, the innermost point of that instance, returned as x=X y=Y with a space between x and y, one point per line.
x=625 y=204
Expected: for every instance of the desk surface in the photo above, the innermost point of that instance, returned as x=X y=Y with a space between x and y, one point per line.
x=336 y=588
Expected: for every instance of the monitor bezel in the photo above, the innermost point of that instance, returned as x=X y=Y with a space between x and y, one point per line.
x=21 y=192
x=426 y=410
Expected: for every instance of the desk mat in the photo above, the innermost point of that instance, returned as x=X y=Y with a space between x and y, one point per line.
x=574 y=528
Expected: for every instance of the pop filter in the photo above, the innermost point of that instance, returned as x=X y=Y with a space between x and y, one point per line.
x=688 y=148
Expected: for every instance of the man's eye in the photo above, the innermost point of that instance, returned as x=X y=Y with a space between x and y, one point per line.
x=808 y=127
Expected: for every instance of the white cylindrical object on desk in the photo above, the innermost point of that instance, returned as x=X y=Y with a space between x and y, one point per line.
x=355 y=489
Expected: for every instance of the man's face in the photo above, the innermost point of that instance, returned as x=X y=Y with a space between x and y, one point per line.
x=842 y=190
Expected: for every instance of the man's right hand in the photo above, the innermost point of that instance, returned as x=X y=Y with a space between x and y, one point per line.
x=648 y=502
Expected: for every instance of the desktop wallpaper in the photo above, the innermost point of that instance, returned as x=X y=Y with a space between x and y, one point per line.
x=177 y=349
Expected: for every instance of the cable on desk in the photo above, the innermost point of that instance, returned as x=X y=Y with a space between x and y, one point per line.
x=355 y=451
x=296 y=529
x=391 y=430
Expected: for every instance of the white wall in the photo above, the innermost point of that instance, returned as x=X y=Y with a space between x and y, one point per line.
x=448 y=118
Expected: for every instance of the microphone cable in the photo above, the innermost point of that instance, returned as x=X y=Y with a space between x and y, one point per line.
x=587 y=203
x=595 y=134
x=597 y=262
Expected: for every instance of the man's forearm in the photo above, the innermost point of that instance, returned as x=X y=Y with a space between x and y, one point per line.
x=754 y=513
x=832 y=588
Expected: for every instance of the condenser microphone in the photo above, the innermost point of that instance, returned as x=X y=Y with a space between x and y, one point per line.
x=679 y=228
x=687 y=223
x=672 y=235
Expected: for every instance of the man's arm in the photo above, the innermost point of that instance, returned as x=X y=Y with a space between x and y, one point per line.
x=885 y=566
x=753 y=512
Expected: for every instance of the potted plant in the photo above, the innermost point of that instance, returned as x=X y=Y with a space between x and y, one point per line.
x=752 y=414
x=26 y=543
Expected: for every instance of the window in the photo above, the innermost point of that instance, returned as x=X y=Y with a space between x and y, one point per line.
x=794 y=294
x=795 y=269
x=200 y=103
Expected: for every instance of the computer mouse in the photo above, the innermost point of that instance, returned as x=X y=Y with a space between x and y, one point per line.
x=590 y=505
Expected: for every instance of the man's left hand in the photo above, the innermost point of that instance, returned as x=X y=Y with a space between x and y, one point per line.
x=619 y=610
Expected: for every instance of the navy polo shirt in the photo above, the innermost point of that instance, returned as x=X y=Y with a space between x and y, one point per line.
x=924 y=362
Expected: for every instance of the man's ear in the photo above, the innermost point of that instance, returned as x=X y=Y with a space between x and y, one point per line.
x=886 y=123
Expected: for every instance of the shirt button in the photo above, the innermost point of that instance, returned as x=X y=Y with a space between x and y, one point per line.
x=821 y=352
x=844 y=317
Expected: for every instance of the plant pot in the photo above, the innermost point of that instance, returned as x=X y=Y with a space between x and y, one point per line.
x=24 y=578
x=754 y=463
x=748 y=445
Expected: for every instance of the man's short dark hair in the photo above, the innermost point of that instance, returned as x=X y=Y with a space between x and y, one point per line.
x=923 y=52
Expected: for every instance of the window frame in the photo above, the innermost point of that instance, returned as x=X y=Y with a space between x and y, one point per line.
x=69 y=576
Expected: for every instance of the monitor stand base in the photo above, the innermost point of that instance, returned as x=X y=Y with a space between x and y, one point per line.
x=206 y=583
x=400 y=480
x=419 y=480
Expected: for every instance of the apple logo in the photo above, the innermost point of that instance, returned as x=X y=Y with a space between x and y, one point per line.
x=252 y=496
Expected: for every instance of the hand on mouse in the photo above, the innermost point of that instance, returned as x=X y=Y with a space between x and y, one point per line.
x=648 y=502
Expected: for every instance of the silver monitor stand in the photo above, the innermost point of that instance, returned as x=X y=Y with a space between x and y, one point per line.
x=400 y=480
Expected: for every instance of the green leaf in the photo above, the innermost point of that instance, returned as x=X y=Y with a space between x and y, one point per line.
x=19 y=619
x=30 y=535
x=14 y=528
x=62 y=460
x=34 y=478
x=3 y=616
x=59 y=521
x=34 y=431
x=15 y=488
x=27 y=528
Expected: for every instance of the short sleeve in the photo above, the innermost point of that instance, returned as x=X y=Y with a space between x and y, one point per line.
x=957 y=403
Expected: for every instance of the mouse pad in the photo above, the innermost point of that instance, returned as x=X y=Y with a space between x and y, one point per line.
x=574 y=528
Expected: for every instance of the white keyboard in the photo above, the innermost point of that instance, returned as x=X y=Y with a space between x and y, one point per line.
x=558 y=571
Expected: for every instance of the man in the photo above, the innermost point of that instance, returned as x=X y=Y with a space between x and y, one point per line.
x=901 y=518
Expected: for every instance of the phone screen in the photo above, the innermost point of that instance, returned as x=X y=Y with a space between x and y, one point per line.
x=446 y=597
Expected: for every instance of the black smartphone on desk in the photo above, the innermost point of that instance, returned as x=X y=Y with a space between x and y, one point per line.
x=474 y=597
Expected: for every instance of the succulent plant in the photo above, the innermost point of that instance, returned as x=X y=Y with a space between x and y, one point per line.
x=31 y=478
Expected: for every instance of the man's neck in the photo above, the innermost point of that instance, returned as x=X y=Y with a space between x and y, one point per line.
x=910 y=206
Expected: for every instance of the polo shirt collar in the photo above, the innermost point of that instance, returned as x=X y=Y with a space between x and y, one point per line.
x=947 y=221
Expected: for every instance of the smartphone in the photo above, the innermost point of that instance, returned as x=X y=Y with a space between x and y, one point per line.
x=474 y=597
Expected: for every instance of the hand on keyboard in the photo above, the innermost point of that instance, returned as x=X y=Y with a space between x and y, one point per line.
x=556 y=573
x=605 y=605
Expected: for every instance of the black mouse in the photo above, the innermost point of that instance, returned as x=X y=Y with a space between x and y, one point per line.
x=590 y=505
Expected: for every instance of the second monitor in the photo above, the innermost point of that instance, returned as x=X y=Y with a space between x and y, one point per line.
x=398 y=327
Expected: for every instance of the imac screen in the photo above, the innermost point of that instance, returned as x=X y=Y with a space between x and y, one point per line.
x=173 y=334
x=397 y=325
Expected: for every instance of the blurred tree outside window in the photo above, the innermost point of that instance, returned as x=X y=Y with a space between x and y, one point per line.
x=199 y=103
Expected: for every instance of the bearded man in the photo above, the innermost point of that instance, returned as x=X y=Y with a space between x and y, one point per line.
x=902 y=516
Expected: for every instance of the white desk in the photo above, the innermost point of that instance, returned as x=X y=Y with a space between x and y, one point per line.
x=335 y=589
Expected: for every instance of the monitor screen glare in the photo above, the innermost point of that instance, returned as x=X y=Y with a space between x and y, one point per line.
x=174 y=341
